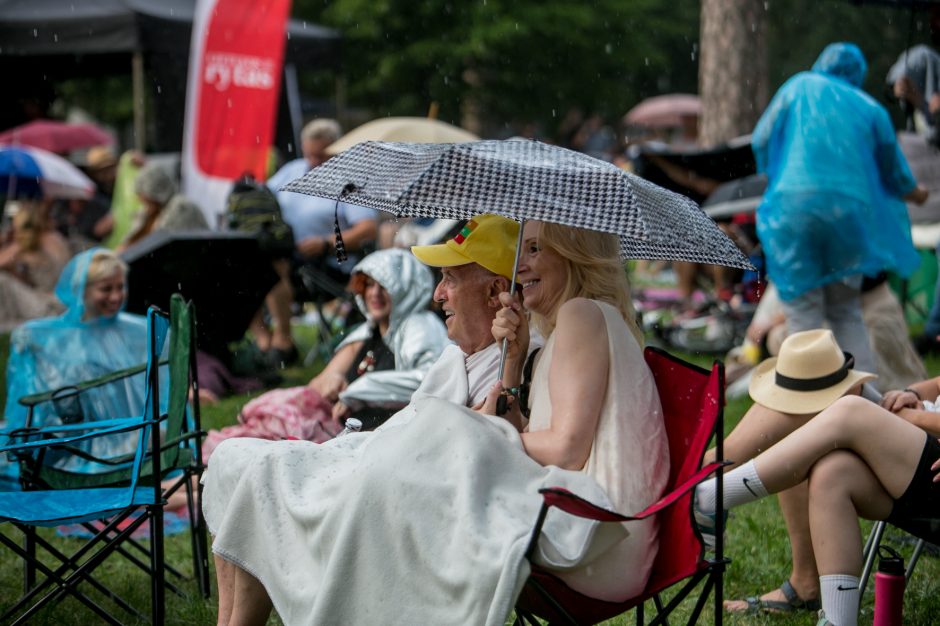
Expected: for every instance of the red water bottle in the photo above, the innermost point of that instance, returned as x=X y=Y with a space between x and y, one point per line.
x=889 y=588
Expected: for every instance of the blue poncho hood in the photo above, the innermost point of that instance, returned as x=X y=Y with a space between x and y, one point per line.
x=843 y=60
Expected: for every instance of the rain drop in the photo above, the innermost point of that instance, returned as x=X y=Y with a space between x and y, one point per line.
x=35 y=32
x=646 y=60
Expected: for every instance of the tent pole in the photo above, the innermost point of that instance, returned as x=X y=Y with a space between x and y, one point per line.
x=137 y=70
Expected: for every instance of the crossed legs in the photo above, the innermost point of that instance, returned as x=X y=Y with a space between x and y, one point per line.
x=759 y=429
x=859 y=459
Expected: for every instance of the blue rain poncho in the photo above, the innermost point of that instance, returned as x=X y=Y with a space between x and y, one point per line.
x=836 y=177
x=52 y=352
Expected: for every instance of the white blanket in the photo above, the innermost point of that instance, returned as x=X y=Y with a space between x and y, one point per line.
x=425 y=521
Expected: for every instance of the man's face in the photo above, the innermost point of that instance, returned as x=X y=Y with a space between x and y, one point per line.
x=315 y=151
x=464 y=295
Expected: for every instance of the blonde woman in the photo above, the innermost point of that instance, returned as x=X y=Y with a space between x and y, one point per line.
x=593 y=404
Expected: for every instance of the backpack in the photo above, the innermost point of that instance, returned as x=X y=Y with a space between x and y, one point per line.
x=253 y=208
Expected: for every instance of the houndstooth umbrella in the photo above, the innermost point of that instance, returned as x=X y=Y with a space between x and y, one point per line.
x=523 y=180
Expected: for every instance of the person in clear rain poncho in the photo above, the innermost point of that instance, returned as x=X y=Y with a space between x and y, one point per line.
x=93 y=337
x=833 y=211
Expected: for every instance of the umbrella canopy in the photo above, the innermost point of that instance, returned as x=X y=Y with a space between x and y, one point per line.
x=55 y=136
x=664 y=111
x=410 y=129
x=24 y=167
x=523 y=180
x=742 y=195
x=224 y=273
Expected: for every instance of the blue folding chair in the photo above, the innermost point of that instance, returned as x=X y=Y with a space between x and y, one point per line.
x=122 y=509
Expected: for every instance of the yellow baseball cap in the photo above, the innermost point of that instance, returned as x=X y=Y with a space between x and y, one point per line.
x=487 y=240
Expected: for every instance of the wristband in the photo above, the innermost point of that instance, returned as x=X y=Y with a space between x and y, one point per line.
x=913 y=391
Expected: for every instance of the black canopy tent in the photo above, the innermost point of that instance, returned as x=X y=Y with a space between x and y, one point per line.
x=43 y=42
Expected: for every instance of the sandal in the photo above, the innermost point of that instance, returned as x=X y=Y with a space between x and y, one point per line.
x=792 y=603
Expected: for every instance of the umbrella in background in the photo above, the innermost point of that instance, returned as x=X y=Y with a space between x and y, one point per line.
x=742 y=195
x=24 y=167
x=523 y=180
x=664 y=111
x=409 y=129
x=55 y=136
x=224 y=273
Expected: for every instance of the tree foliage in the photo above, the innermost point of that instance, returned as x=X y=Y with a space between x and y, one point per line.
x=516 y=61
x=512 y=60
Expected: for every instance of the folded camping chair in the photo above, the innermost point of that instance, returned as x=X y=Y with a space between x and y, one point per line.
x=693 y=401
x=181 y=453
x=121 y=507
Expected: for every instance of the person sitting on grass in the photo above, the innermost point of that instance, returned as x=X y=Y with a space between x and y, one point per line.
x=858 y=459
x=374 y=370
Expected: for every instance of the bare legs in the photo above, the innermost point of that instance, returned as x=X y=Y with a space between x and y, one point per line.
x=886 y=443
x=759 y=429
x=842 y=487
x=278 y=302
x=243 y=600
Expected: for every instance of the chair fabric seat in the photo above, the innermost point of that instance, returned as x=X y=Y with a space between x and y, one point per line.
x=73 y=506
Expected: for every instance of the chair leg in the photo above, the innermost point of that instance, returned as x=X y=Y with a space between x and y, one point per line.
x=198 y=536
x=870 y=552
x=915 y=556
x=158 y=579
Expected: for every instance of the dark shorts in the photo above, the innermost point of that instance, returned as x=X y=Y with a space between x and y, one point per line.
x=918 y=509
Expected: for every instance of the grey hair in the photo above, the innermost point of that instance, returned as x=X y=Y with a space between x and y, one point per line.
x=323 y=128
x=155 y=183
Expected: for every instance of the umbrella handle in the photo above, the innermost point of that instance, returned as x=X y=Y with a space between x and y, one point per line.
x=502 y=404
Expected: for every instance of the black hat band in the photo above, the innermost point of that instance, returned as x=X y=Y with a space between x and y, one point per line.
x=816 y=384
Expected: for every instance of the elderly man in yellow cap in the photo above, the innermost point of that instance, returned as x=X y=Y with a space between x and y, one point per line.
x=476 y=266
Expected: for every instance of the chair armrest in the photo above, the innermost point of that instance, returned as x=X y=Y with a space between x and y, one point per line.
x=128 y=425
x=46 y=396
x=578 y=506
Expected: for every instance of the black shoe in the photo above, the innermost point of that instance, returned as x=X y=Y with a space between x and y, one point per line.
x=279 y=358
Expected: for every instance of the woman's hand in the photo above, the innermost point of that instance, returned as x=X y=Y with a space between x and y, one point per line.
x=899 y=399
x=511 y=324
x=328 y=384
x=340 y=413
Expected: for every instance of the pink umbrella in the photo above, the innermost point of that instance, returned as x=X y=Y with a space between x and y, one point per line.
x=664 y=111
x=54 y=136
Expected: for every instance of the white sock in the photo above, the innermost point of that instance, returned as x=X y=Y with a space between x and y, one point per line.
x=741 y=485
x=840 y=598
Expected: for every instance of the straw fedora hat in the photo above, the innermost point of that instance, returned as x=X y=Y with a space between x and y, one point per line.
x=810 y=373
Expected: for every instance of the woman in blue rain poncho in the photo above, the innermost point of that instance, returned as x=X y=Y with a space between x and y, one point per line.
x=92 y=338
x=834 y=209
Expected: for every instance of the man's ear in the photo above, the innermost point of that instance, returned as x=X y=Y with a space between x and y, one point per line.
x=498 y=285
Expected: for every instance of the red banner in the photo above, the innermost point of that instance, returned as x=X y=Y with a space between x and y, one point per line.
x=241 y=58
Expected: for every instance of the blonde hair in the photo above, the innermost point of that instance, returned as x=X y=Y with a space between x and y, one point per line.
x=594 y=270
x=104 y=264
x=27 y=228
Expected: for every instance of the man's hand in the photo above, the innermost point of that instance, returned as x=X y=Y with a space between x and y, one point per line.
x=313 y=247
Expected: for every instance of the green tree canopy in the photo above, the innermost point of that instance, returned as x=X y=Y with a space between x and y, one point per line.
x=514 y=60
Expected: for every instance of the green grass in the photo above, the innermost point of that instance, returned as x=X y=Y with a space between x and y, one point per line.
x=756 y=541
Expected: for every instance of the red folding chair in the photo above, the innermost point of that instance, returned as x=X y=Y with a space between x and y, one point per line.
x=693 y=405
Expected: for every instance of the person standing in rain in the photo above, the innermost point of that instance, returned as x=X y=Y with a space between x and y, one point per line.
x=833 y=211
